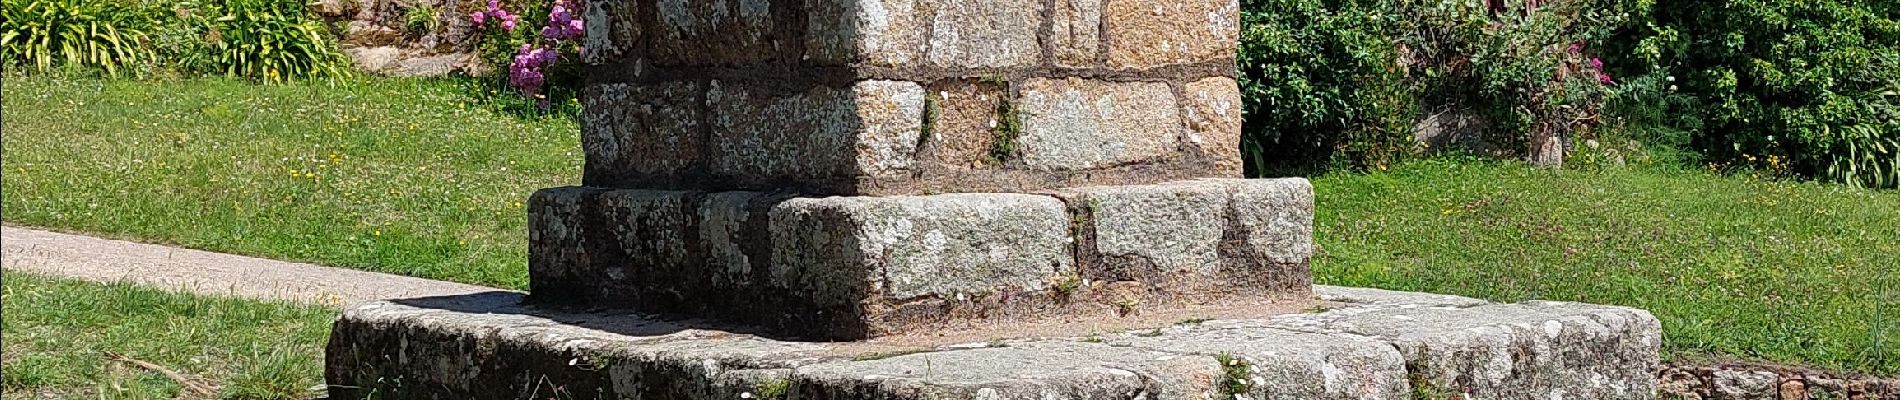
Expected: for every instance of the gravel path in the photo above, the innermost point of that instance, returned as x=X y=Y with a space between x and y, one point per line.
x=104 y=260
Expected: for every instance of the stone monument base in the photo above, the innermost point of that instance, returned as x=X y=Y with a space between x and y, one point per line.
x=1359 y=344
x=851 y=267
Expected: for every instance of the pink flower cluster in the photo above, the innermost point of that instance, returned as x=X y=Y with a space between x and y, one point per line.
x=494 y=12
x=561 y=22
x=1594 y=64
x=528 y=71
x=525 y=73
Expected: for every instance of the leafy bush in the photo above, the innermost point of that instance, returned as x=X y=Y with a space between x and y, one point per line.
x=1321 y=84
x=1811 y=83
x=43 y=34
x=422 y=18
x=530 y=40
x=262 y=39
x=1340 y=83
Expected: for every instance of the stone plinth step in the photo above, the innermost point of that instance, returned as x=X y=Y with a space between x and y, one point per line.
x=1366 y=344
x=854 y=267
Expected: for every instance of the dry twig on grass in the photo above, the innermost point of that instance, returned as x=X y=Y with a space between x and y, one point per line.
x=193 y=387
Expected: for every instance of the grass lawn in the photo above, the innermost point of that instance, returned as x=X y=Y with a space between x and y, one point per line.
x=414 y=177
x=404 y=176
x=62 y=337
x=1769 y=270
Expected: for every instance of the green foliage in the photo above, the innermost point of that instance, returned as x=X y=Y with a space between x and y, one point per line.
x=1009 y=126
x=43 y=34
x=1320 y=84
x=422 y=18
x=1525 y=65
x=260 y=39
x=1235 y=374
x=1339 y=83
x=1813 y=83
x=497 y=48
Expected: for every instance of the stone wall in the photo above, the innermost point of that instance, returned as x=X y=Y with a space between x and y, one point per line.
x=879 y=97
x=376 y=36
x=1765 y=382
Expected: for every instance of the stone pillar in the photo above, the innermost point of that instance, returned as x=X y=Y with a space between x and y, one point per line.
x=850 y=168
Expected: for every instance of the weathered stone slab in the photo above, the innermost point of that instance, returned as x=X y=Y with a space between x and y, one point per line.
x=888 y=33
x=964 y=124
x=1380 y=297
x=742 y=30
x=1283 y=364
x=1077 y=124
x=919 y=246
x=1517 y=351
x=984 y=33
x=1211 y=108
x=489 y=346
x=818 y=136
x=648 y=133
x=1028 y=370
x=1076 y=33
x=614 y=29
x=1194 y=240
x=1147 y=34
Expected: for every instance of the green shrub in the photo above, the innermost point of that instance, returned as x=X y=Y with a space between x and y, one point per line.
x=421 y=19
x=261 y=39
x=1340 y=83
x=43 y=34
x=1321 y=85
x=1808 y=85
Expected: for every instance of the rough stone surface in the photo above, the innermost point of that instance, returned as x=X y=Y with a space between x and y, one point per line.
x=1146 y=34
x=1212 y=109
x=1283 y=364
x=821 y=134
x=1145 y=232
x=488 y=346
x=1275 y=216
x=866 y=266
x=1076 y=33
x=1738 y=380
x=1518 y=351
x=1072 y=124
x=1196 y=240
x=919 y=246
x=890 y=114
x=374 y=59
x=1745 y=385
x=874 y=32
x=613 y=28
x=1033 y=370
x=741 y=30
x=984 y=33
x=630 y=131
x=557 y=234
x=1380 y=297
x=802 y=135
x=964 y=123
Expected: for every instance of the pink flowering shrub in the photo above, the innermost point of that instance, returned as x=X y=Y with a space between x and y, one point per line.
x=538 y=62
